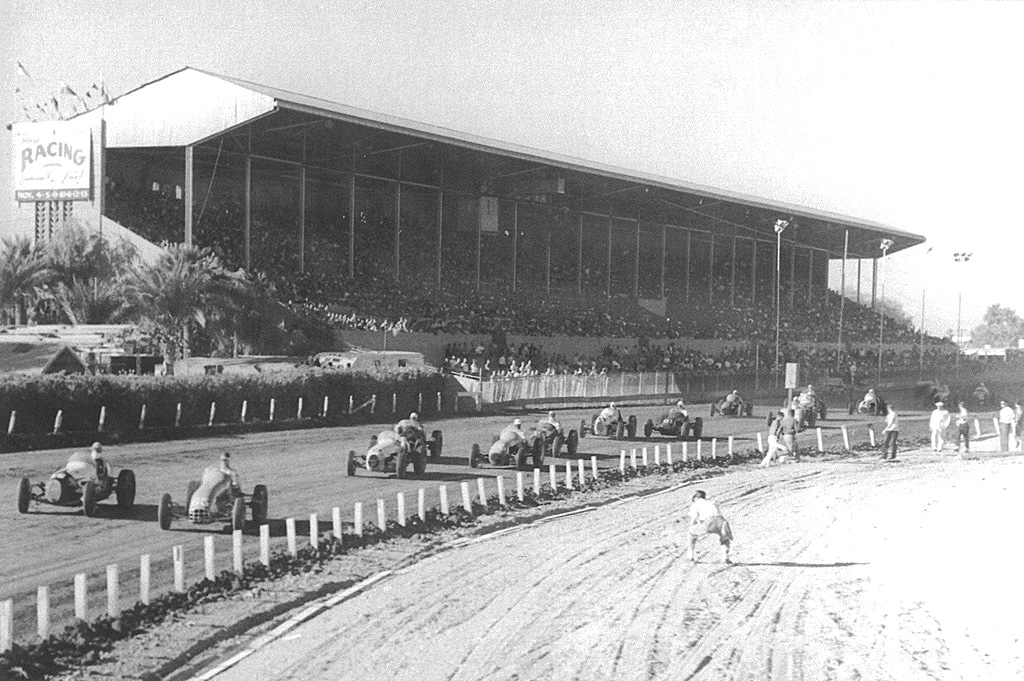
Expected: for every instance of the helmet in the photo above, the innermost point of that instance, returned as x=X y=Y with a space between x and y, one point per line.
x=517 y=422
x=97 y=447
x=611 y=405
x=680 y=404
x=735 y=392
x=551 y=414
x=414 y=416
x=226 y=456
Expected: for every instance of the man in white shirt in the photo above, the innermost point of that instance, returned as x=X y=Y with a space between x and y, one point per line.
x=706 y=519
x=963 y=429
x=1007 y=419
x=938 y=423
x=892 y=434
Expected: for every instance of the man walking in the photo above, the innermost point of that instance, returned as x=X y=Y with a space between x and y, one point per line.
x=705 y=518
x=892 y=434
x=774 y=436
x=1007 y=419
x=789 y=426
x=938 y=423
x=963 y=429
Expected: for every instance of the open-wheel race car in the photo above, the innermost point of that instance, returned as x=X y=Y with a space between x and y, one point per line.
x=391 y=453
x=609 y=424
x=513 y=447
x=212 y=499
x=675 y=424
x=79 y=484
x=809 y=408
x=871 y=404
x=732 y=407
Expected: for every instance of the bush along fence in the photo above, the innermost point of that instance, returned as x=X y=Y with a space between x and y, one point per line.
x=87 y=639
x=50 y=411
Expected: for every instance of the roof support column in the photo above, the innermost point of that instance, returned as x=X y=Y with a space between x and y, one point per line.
x=440 y=231
x=636 y=259
x=842 y=298
x=247 y=209
x=711 y=266
x=608 y=269
x=352 y=225
x=189 y=196
x=874 y=281
x=478 y=251
x=859 y=262
x=689 y=234
x=398 y=228
x=664 y=248
x=515 y=243
x=732 y=275
x=579 y=257
x=302 y=219
x=547 y=269
x=753 y=272
x=792 y=275
x=810 y=274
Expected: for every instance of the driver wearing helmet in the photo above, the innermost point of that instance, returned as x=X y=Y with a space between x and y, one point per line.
x=96 y=454
x=733 y=398
x=678 y=412
x=409 y=428
x=608 y=414
x=870 y=398
x=551 y=423
x=231 y=473
x=510 y=436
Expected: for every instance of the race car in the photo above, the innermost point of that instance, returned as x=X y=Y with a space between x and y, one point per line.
x=875 y=407
x=732 y=407
x=609 y=423
x=555 y=438
x=212 y=499
x=808 y=409
x=539 y=442
x=391 y=453
x=675 y=424
x=78 y=484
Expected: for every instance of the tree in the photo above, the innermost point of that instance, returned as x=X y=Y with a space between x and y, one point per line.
x=101 y=301
x=22 y=268
x=1000 y=327
x=187 y=288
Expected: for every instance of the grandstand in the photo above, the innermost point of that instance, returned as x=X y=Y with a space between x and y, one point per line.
x=369 y=221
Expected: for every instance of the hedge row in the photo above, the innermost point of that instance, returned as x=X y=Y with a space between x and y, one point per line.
x=86 y=643
x=80 y=397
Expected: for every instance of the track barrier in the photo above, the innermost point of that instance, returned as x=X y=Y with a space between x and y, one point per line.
x=481 y=490
x=236 y=551
x=43 y=612
x=467 y=501
x=553 y=477
x=400 y=501
x=293 y=547
x=113 y=591
x=520 y=486
x=443 y=494
x=314 y=531
x=208 y=557
x=358 y=513
x=265 y=544
x=382 y=516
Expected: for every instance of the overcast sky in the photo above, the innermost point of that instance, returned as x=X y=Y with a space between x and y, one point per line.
x=906 y=114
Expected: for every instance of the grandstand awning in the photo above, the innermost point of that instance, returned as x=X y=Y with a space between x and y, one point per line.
x=190 y=107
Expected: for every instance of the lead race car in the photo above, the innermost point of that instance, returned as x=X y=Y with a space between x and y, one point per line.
x=609 y=423
x=513 y=446
x=392 y=451
x=215 y=497
x=808 y=408
x=676 y=423
x=732 y=405
x=85 y=480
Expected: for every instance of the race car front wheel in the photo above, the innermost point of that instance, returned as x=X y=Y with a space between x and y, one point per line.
x=24 y=495
x=89 y=499
x=163 y=512
x=238 y=514
x=125 y=490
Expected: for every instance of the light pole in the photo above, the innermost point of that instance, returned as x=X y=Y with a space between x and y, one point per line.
x=885 y=246
x=780 y=226
x=960 y=258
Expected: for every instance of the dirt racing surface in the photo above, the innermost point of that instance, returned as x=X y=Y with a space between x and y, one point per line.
x=845 y=570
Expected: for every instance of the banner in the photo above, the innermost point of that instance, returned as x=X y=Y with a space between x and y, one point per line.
x=52 y=161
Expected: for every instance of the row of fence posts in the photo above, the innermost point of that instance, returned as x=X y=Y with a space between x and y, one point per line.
x=353 y=408
x=641 y=456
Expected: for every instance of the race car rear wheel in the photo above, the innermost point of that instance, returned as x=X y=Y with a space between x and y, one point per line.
x=419 y=464
x=260 y=501
x=89 y=499
x=351 y=464
x=572 y=444
x=697 y=429
x=238 y=514
x=163 y=512
x=648 y=428
x=125 y=490
x=631 y=426
x=538 y=452
x=556 y=446
x=401 y=464
x=436 y=445
x=521 y=459
x=823 y=412
x=474 y=455
x=193 y=485
x=24 y=495
x=583 y=427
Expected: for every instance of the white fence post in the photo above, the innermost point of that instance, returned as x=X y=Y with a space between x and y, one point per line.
x=178 y=557
x=481 y=491
x=568 y=475
x=644 y=452
x=821 y=444
x=11 y=421
x=582 y=473
x=336 y=528
x=81 y=597
x=265 y=544
x=236 y=551
x=699 y=457
x=144 y=578
x=714 y=447
x=668 y=454
x=977 y=427
x=439 y=400
x=657 y=455
x=314 y=531
x=394 y=403
x=177 y=415
x=351 y=400
x=421 y=504
x=760 y=442
x=536 y=481
x=357 y=518
x=871 y=435
x=467 y=500
x=213 y=413
x=6 y=625
x=142 y=418
x=593 y=466
x=208 y=557
x=846 y=439
x=419 y=402
x=273 y=407
x=43 y=612
x=501 y=491
x=553 y=477
x=373 y=404
x=731 y=442
x=995 y=425
x=327 y=404
x=382 y=516
x=113 y=591
x=632 y=458
x=289 y=527
x=685 y=453
x=103 y=418
x=622 y=461
x=401 y=508
x=245 y=408
x=442 y=492
x=58 y=419
x=520 y=486
x=298 y=411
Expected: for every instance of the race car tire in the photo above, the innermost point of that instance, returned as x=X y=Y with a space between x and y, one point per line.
x=697 y=429
x=823 y=413
x=24 y=495
x=436 y=445
x=572 y=444
x=238 y=514
x=648 y=428
x=373 y=441
x=713 y=405
x=189 y=491
x=521 y=460
x=401 y=464
x=631 y=426
x=351 y=464
x=419 y=463
x=474 y=455
x=748 y=409
x=89 y=499
x=260 y=504
x=125 y=490
x=583 y=428
x=163 y=512
x=538 y=452
x=556 y=446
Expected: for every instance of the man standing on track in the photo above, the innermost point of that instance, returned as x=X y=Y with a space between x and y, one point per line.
x=1007 y=419
x=789 y=427
x=706 y=519
x=963 y=429
x=774 y=439
x=892 y=434
x=938 y=423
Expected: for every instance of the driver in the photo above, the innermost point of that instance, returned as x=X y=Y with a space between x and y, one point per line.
x=96 y=454
x=608 y=414
x=410 y=428
x=678 y=412
x=732 y=403
x=550 y=422
x=807 y=397
x=231 y=473
x=870 y=398
x=510 y=436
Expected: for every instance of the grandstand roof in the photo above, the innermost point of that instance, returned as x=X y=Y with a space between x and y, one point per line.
x=191 y=106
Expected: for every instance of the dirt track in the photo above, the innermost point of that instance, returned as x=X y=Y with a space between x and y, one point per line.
x=846 y=570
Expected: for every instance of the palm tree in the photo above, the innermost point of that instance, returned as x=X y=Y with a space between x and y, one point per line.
x=101 y=301
x=22 y=268
x=186 y=288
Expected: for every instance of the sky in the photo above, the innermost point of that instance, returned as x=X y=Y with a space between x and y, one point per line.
x=905 y=114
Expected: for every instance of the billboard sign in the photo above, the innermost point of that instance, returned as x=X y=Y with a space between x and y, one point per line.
x=792 y=375
x=52 y=161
